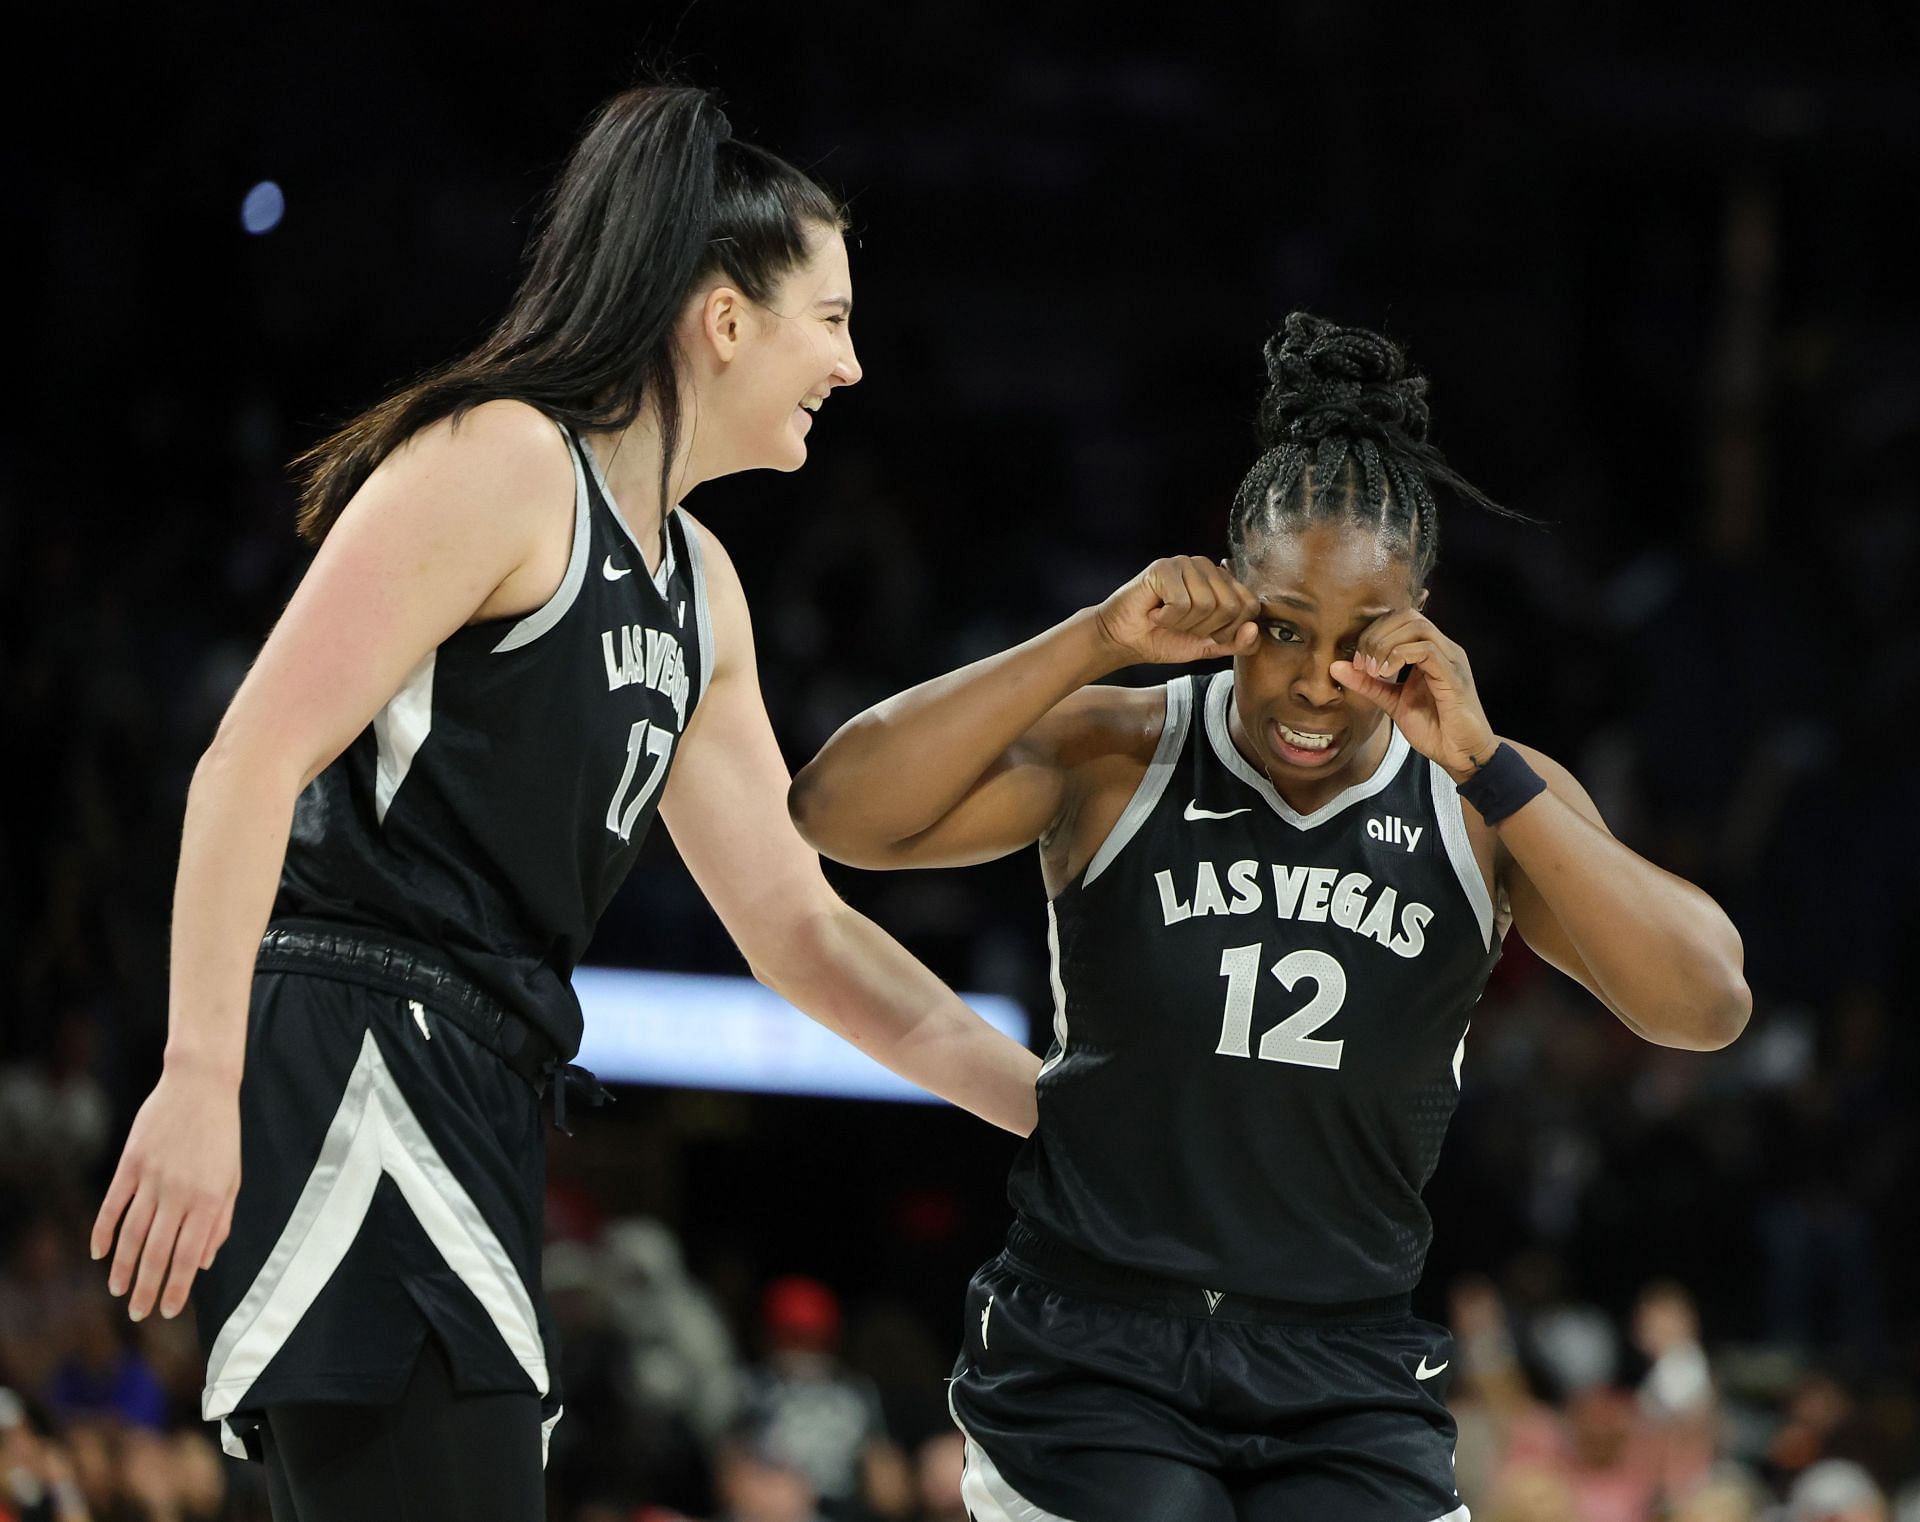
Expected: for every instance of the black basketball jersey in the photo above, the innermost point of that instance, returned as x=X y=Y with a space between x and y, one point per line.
x=1259 y=1022
x=497 y=801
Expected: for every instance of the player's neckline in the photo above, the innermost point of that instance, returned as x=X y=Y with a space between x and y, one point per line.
x=663 y=574
x=1220 y=696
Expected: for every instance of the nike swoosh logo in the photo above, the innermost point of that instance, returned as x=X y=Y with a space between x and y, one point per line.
x=1194 y=811
x=1423 y=1372
x=607 y=570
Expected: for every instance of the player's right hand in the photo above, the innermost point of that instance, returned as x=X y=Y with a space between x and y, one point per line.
x=1183 y=608
x=172 y=1196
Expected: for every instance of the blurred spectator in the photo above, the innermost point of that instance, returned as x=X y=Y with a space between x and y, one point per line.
x=1666 y=1329
x=760 y=1478
x=1676 y=1394
x=1817 y=1410
x=1531 y=1494
x=37 y=1481
x=1571 y=1343
x=104 y=1375
x=820 y=1412
x=1724 y=1498
x=42 y=1292
x=1501 y=1425
x=56 y=1117
x=939 y=1465
x=629 y=1428
x=682 y=1354
x=1604 y=1459
x=1835 y=1490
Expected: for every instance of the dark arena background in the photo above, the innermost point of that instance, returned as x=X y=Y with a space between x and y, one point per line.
x=1653 y=262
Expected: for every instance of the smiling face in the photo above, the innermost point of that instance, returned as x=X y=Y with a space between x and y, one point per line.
x=1319 y=587
x=776 y=362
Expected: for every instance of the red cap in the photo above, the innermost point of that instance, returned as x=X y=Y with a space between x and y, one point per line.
x=799 y=1312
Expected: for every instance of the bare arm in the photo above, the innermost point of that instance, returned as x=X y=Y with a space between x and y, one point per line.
x=725 y=803
x=1655 y=949
x=982 y=761
x=448 y=529
x=1652 y=947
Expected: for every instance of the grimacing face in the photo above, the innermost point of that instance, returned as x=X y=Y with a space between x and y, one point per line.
x=1319 y=587
x=800 y=351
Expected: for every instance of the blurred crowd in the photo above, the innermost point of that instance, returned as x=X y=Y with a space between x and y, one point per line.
x=1652 y=283
x=811 y=1413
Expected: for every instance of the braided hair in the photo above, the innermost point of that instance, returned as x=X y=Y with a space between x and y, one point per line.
x=1344 y=431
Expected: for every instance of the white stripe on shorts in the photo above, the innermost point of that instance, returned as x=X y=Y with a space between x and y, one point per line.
x=988 y=1496
x=373 y=1132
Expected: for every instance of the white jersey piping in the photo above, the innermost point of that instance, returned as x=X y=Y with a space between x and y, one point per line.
x=1173 y=735
x=543 y=618
x=1218 y=697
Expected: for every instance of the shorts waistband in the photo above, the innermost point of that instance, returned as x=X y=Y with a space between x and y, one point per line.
x=355 y=956
x=1032 y=1251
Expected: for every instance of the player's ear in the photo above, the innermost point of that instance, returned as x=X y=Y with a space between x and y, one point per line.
x=1420 y=599
x=722 y=320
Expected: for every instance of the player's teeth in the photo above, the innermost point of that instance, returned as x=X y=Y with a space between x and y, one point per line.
x=1305 y=742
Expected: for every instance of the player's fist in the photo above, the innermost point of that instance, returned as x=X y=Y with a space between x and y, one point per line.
x=1183 y=608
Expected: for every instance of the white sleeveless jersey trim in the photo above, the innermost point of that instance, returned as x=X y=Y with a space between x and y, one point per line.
x=1220 y=693
x=374 y=1132
x=1059 y=994
x=664 y=573
x=702 y=622
x=555 y=608
x=399 y=730
x=1453 y=833
x=1173 y=735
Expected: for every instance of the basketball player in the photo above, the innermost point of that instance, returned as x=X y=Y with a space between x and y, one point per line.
x=511 y=649
x=1276 y=893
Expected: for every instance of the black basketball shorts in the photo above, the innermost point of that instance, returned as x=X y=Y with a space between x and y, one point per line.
x=392 y=1187
x=1171 y=1406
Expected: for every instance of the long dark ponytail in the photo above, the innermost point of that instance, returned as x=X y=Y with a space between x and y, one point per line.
x=657 y=195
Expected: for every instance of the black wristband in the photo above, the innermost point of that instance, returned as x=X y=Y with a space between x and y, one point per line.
x=1503 y=785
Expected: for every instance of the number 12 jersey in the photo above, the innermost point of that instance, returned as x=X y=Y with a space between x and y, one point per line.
x=1259 y=1022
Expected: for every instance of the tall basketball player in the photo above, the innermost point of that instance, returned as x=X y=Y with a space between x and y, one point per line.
x=1276 y=892
x=511 y=649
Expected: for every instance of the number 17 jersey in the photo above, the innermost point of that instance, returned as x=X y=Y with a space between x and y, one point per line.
x=1260 y=1018
x=500 y=797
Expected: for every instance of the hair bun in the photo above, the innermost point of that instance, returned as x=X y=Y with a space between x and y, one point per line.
x=1326 y=380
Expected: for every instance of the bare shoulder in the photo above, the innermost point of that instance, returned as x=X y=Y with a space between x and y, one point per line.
x=499 y=451
x=499 y=480
x=502 y=471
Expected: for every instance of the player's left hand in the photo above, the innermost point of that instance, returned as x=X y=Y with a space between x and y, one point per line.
x=1434 y=705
